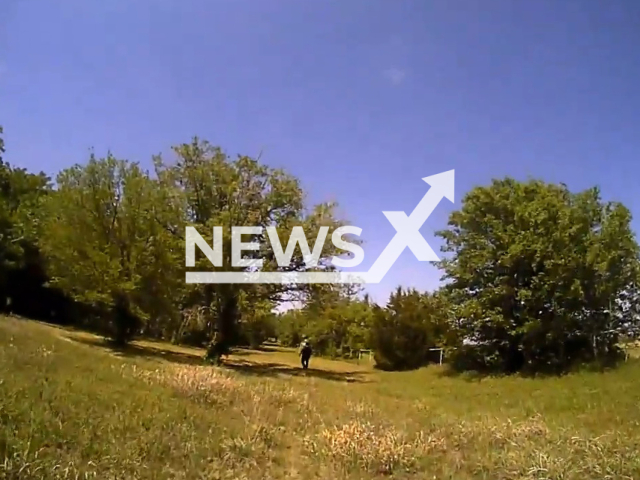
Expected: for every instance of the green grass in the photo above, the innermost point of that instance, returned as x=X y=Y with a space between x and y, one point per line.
x=72 y=408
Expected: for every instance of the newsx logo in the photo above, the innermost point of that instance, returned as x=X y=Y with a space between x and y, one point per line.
x=407 y=235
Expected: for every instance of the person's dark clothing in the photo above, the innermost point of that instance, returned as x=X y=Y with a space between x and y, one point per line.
x=305 y=355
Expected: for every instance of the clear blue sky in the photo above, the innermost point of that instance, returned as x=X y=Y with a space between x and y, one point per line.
x=358 y=98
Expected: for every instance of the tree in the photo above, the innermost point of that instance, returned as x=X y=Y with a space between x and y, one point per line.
x=291 y=327
x=206 y=189
x=256 y=317
x=103 y=246
x=537 y=273
x=333 y=318
x=404 y=332
x=338 y=324
x=21 y=269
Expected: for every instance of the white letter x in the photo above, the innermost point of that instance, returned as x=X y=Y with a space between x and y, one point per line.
x=408 y=229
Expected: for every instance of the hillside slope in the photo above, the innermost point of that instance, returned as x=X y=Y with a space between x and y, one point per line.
x=72 y=408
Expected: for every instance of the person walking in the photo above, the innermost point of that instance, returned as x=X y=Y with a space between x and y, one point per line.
x=305 y=353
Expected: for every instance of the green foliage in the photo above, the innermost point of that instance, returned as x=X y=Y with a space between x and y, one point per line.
x=290 y=327
x=21 y=194
x=537 y=274
x=403 y=333
x=344 y=329
x=104 y=246
x=257 y=320
x=335 y=320
x=113 y=236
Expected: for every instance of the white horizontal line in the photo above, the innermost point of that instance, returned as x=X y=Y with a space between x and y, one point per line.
x=276 y=277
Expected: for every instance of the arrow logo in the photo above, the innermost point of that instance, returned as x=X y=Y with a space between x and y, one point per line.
x=408 y=228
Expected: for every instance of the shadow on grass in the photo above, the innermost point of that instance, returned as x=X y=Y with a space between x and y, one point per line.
x=267 y=348
x=244 y=351
x=245 y=367
x=467 y=376
x=138 y=351
x=276 y=370
x=578 y=368
x=471 y=375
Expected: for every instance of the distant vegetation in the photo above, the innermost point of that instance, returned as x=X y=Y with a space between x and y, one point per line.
x=537 y=278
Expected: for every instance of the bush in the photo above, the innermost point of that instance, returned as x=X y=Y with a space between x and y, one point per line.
x=404 y=332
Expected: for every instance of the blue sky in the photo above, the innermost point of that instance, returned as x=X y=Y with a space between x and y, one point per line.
x=358 y=98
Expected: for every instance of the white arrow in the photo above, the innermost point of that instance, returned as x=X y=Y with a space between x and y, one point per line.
x=408 y=228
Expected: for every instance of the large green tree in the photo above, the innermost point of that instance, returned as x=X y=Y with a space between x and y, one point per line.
x=204 y=188
x=21 y=194
x=105 y=248
x=538 y=274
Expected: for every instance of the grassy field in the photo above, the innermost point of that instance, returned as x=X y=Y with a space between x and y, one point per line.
x=72 y=408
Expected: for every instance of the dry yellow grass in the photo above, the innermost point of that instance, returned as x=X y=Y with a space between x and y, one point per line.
x=71 y=408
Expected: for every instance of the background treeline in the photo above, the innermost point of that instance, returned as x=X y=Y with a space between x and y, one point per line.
x=536 y=278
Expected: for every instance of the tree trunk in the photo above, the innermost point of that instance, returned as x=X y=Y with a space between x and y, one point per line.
x=125 y=323
x=226 y=325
